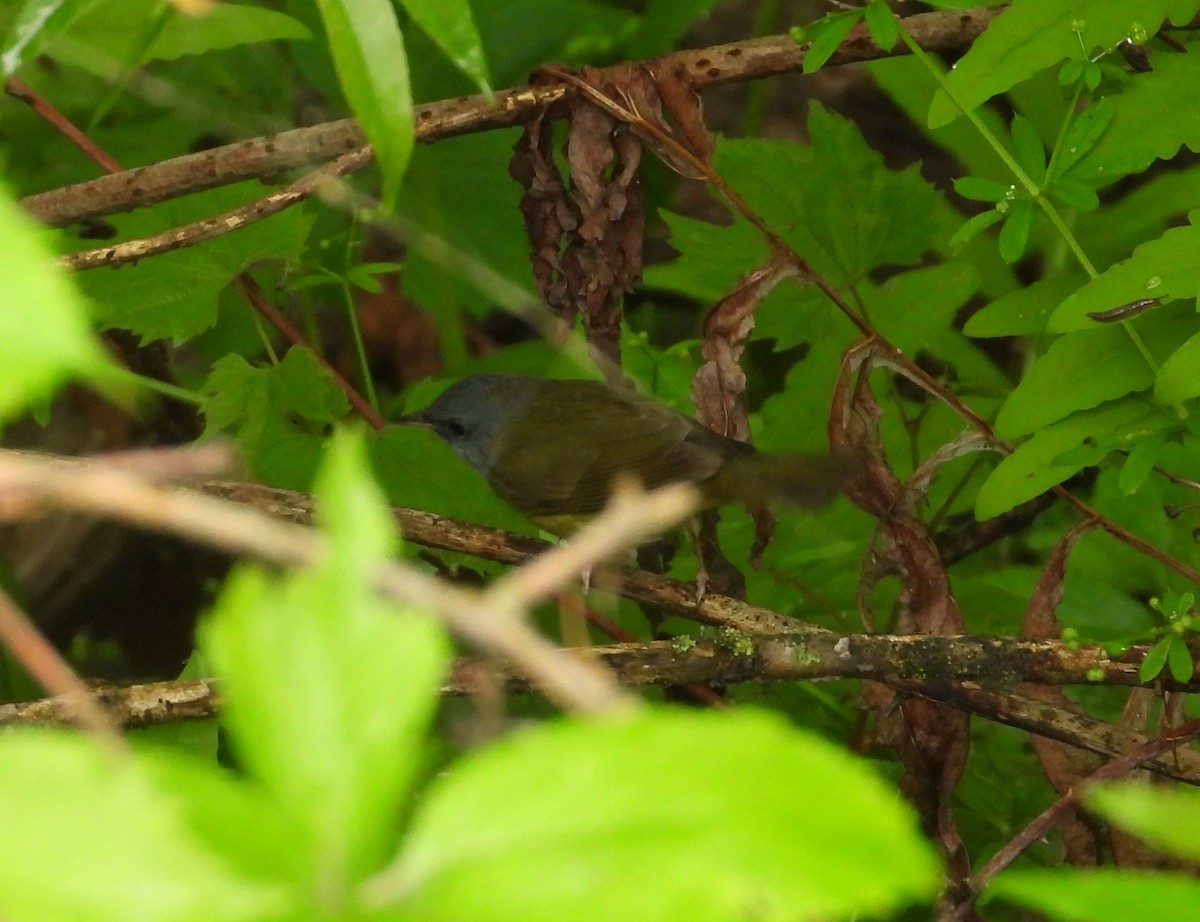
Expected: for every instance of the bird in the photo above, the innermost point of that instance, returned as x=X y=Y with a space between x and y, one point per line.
x=552 y=449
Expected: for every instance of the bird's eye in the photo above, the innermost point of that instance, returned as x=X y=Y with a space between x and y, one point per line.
x=455 y=428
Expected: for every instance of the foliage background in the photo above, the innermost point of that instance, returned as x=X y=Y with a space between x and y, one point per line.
x=983 y=246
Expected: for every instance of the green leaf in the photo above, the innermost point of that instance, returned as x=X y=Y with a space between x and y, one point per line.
x=881 y=23
x=973 y=227
x=44 y=336
x=1177 y=379
x=825 y=35
x=1139 y=462
x=1080 y=370
x=1038 y=464
x=1102 y=895
x=1165 y=268
x=835 y=202
x=1034 y=35
x=1154 y=660
x=451 y=25
x=1014 y=234
x=1165 y=817
x=131 y=852
x=1024 y=310
x=32 y=27
x=372 y=66
x=590 y=838
x=1141 y=130
x=174 y=295
x=979 y=189
x=279 y=414
x=712 y=257
x=1179 y=660
x=330 y=689
x=1082 y=135
x=1074 y=195
x=1028 y=148
x=223 y=25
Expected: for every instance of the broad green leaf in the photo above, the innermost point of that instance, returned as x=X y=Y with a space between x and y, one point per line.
x=1165 y=817
x=114 y=31
x=1024 y=310
x=1028 y=148
x=451 y=25
x=712 y=258
x=1151 y=120
x=1103 y=895
x=1178 y=378
x=174 y=295
x=1179 y=660
x=1165 y=268
x=1085 y=131
x=127 y=842
x=814 y=835
x=372 y=66
x=44 y=335
x=331 y=689
x=1088 y=367
x=33 y=26
x=979 y=189
x=1088 y=436
x=1033 y=35
x=279 y=414
x=224 y=25
x=1139 y=462
x=835 y=202
x=662 y=23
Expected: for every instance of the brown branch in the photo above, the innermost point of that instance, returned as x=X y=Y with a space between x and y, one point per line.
x=669 y=663
x=199 y=231
x=258 y=157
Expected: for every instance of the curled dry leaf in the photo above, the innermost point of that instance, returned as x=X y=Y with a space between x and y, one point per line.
x=931 y=740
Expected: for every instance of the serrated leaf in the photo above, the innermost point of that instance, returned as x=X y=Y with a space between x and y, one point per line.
x=44 y=335
x=1079 y=371
x=1165 y=817
x=278 y=414
x=1024 y=310
x=174 y=295
x=1102 y=895
x=825 y=35
x=590 y=839
x=131 y=853
x=451 y=25
x=1165 y=268
x=1033 y=35
x=330 y=689
x=372 y=66
x=835 y=202
x=224 y=25
x=1152 y=119
x=712 y=258
x=1037 y=465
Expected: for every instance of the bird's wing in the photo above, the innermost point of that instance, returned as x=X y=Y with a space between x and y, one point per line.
x=557 y=462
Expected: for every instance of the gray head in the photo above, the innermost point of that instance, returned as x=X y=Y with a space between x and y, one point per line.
x=468 y=415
